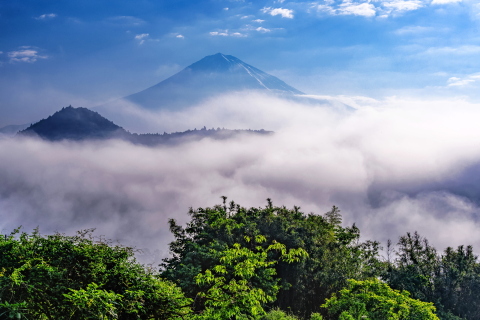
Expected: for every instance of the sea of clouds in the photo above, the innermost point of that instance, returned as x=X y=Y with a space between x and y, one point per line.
x=391 y=166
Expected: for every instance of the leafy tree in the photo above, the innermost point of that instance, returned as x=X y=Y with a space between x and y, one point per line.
x=335 y=253
x=417 y=267
x=375 y=300
x=243 y=281
x=450 y=280
x=80 y=277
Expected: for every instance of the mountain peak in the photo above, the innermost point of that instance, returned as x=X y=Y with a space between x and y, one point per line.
x=74 y=124
x=216 y=63
x=212 y=75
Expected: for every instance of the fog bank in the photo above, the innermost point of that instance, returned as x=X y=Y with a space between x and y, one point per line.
x=391 y=166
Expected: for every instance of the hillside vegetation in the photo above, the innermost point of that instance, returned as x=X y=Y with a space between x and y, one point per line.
x=232 y=262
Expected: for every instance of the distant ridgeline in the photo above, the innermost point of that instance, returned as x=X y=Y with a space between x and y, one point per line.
x=80 y=124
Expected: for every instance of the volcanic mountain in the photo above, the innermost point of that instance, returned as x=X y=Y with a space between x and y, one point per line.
x=212 y=75
x=81 y=124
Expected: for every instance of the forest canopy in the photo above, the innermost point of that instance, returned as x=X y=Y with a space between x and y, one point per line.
x=233 y=262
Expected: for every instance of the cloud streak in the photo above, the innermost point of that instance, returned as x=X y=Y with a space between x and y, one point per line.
x=227 y=33
x=392 y=166
x=25 y=54
x=284 y=13
x=46 y=16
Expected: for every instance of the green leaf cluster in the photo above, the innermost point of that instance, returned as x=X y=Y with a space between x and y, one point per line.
x=451 y=280
x=80 y=277
x=243 y=281
x=374 y=300
x=333 y=253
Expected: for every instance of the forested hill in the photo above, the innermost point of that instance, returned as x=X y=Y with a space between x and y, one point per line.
x=75 y=124
x=80 y=124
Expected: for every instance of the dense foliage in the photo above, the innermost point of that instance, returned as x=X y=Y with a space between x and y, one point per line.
x=231 y=262
x=335 y=253
x=79 y=277
x=373 y=299
x=450 y=280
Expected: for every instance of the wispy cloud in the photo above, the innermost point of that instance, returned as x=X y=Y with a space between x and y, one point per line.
x=263 y=30
x=414 y=30
x=226 y=33
x=25 y=54
x=445 y=1
x=285 y=13
x=46 y=16
x=142 y=37
x=180 y=36
x=465 y=81
x=402 y=5
x=460 y=50
x=126 y=21
x=380 y=8
x=358 y=9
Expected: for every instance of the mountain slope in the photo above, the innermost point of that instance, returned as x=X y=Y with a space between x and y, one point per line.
x=210 y=76
x=81 y=124
x=11 y=130
x=75 y=124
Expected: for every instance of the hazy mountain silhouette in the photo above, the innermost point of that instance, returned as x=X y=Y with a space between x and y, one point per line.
x=12 y=129
x=212 y=75
x=80 y=124
x=75 y=124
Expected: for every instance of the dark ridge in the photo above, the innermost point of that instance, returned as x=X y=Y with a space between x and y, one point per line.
x=74 y=124
x=79 y=124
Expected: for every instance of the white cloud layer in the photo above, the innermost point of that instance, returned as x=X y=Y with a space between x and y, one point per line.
x=126 y=21
x=263 y=30
x=358 y=9
x=25 y=54
x=392 y=166
x=380 y=8
x=285 y=13
x=227 y=33
x=46 y=16
x=402 y=5
x=141 y=38
x=445 y=1
x=465 y=81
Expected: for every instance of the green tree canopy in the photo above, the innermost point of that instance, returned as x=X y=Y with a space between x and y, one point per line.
x=80 y=277
x=335 y=253
x=243 y=280
x=374 y=300
x=450 y=280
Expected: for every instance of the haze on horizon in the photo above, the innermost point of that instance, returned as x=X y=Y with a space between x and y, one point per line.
x=407 y=159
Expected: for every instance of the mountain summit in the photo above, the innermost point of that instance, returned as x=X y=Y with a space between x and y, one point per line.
x=212 y=75
x=74 y=124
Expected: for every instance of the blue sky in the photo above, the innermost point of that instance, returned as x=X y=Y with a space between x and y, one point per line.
x=56 y=53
